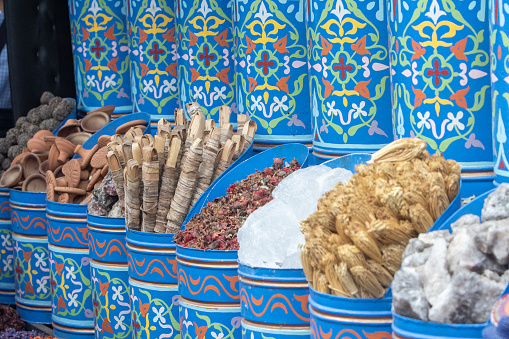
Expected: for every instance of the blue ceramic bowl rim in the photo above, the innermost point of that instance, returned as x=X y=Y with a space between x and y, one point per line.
x=272 y=274
x=409 y=327
x=66 y=210
x=105 y=222
x=4 y=189
x=207 y=255
x=29 y=199
x=342 y=306
x=150 y=240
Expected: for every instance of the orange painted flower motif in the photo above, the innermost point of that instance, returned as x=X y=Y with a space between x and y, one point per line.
x=29 y=288
x=143 y=308
x=252 y=83
x=282 y=84
x=362 y=88
x=459 y=48
x=61 y=303
x=112 y=64
x=170 y=35
x=328 y=88
x=418 y=51
x=223 y=75
x=221 y=38
x=110 y=33
x=280 y=45
x=419 y=97
x=360 y=47
x=459 y=97
x=326 y=46
x=200 y=330
x=143 y=36
x=106 y=327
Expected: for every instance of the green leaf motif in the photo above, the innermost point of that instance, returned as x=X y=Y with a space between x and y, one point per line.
x=345 y=138
x=471 y=121
x=430 y=142
x=445 y=144
x=479 y=99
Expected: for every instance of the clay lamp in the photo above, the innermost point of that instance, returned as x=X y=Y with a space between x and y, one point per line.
x=17 y=160
x=78 y=138
x=85 y=154
x=99 y=158
x=50 y=140
x=71 y=122
x=93 y=122
x=43 y=156
x=42 y=133
x=103 y=141
x=44 y=166
x=53 y=158
x=71 y=191
x=58 y=172
x=34 y=183
x=37 y=145
x=61 y=182
x=65 y=148
x=122 y=129
x=31 y=165
x=12 y=176
x=69 y=129
x=50 y=190
x=106 y=109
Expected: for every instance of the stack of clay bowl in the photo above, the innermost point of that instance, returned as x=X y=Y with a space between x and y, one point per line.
x=46 y=152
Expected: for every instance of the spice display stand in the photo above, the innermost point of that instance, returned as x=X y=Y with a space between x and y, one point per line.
x=209 y=293
x=110 y=281
x=404 y=327
x=153 y=284
x=7 y=288
x=31 y=258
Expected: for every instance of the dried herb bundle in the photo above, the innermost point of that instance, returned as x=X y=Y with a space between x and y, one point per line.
x=356 y=238
x=216 y=227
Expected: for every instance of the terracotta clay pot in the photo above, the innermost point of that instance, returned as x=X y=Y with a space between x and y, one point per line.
x=19 y=158
x=37 y=145
x=43 y=156
x=93 y=122
x=44 y=166
x=65 y=148
x=69 y=129
x=122 y=129
x=31 y=165
x=106 y=109
x=78 y=138
x=35 y=183
x=42 y=133
x=85 y=154
x=53 y=158
x=12 y=176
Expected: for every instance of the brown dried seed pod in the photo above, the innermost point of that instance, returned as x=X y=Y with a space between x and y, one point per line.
x=367 y=245
x=323 y=218
x=413 y=195
x=437 y=163
x=367 y=281
x=351 y=255
x=392 y=256
x=400 y=150
x=384 y=213
x=320 y=283
x=389 y=232
x=452 y=185
x=438 y=202
x=346 y=279
x=453 y=167
x=394 y=200
x=382 y=275
x=420 y=218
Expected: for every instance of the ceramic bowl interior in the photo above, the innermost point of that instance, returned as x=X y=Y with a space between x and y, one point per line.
x=12 y=176
x=35 y=183
x=94 y=121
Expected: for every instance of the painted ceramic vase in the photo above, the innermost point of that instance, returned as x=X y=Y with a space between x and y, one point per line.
x=205 y=54
x=153 y=285
x=499 y=53
x=440 y=70
x=31 y=258
x=153 y=57
x=271 y=69
x=7 y=289
x=71 y=290
x=342 y=318
x=349 y=76
x=110 y=281
x=208 y=293
x=273 y=302
x=101 y=54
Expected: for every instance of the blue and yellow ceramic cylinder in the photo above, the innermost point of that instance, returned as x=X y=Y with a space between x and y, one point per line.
x=273 y=302
x=101 y=54
x=153 y=285
x=499 y=52
x=206 y=69
x=440 y=68
x=71 y=290
x=209 y=297
x=110 y=281
x=7 y=289
x=348 y=55
x=338 y=317
x=271 y=69
x=153 y=58
x=31 y=258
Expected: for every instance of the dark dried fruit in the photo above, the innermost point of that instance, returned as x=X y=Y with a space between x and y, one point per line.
x=23 y=139
x=14 y=151
x=12 y=135
x=46 y=98
x=20 y=122
x=216 y=227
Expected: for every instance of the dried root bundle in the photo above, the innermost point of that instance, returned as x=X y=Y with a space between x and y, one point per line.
x=356 y=238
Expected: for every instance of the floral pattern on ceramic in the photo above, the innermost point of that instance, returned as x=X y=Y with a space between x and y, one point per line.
x=153 y=57
x=71 y=289
x=101 y=54
x=31 y=272
x=112 y=310
x=271 y=68
x=349 y=75
x=441 y=77
x=155 y=312
x=205 y=54
x=499 y=48
x=6 y=263
x=198 y=322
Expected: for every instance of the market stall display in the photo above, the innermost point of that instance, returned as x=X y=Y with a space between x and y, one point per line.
x=469 y=272
x=207 y=248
